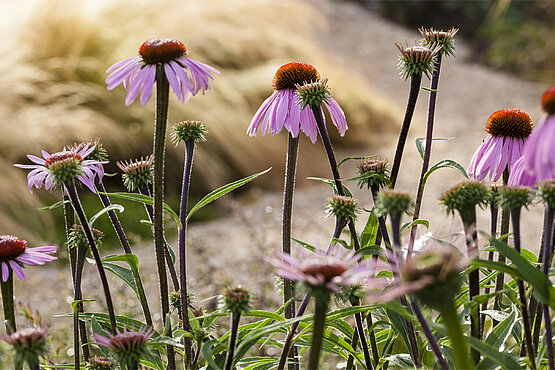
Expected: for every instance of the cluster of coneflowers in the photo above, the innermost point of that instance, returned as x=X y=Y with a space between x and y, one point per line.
x=415 y=287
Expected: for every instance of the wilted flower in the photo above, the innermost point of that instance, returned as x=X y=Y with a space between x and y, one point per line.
x=62 y=167
x=439 y=38
x=281 y=109
x=186 y=76
x=14 y=253
x=128 y=347
x=323 y=271
x=508 y=131
x=137 y=174
x=29 y=345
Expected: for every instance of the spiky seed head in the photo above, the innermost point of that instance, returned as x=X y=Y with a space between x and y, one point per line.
x=464 y=197
x=416 y=60
x=393 y=203
x=28 y=344
x=494 y=191
x=439 y=38
x=188 y=130
x=159 y=51
x=100 y=363
x=175 y=300
x=514 y=197
x=441 y=266
x=99 y=153
x=78 y=239
x=128 y=347
x=236 y=299
x=374 y=173
x=137 y=174
x=342 y=207
x=313 y=94
x=547 y=193
x=295 y=73
x=510 y=123
x=548 y=100
x=11 y=247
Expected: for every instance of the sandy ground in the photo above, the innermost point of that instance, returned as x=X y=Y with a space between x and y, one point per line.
x=231 y=250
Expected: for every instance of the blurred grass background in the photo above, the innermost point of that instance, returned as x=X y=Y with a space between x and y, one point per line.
x=54 y=94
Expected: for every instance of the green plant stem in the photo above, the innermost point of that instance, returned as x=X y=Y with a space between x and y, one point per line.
x=169 y=262
x=126 y=248
x=493 y=231
x=235 y=317
x=515 y=216
x=320 y=310
x=78 y=295
x=159 y=150
x=547 y=256
x=351 y=359
x=500 y=281
x=427 y=150
x=471 y=237
x=415 y=81
x=396 y=234
x=458 y=342
x=72 y=192
x=188 y=166
x=428 y=332
x=288 y=191
x=7 y=302
x=373 y=342
x=33 y=362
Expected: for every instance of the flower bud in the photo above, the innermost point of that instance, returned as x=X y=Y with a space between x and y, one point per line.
x=514 y=197
x=416 y=60
x=342 y=207
x=547 y=193
x=439 y=38
x=236 y=299
x=100 y=363
x=137 y=174
x=374 y=173
x=188 y=130
x=393 y=203
x=464 y=197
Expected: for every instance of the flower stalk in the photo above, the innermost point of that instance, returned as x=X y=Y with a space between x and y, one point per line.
x=320 y=310
x=235 y=318
x=458 y=342
x=7 y=302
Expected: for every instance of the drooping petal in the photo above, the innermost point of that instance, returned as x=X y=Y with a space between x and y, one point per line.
x=18 y=271
x=173 y=80
x=337 y=115
x=259 y=115
x=5 y=271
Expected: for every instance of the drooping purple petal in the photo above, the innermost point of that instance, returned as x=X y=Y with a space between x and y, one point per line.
x=5 y=271
x=18 y=271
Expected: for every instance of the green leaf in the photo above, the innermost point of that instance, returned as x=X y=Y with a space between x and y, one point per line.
x=443 y=164
x=498 y=337
x=74 y=303
x=543 y=289
x=145 y=199
x=402 y=359
x=426 y=223
x=206 y=351
x=355 y=158
x=54 y=206
x=124 y=274
x=111 y=207
x=497 y=266
x=421 y=144
x=305 y=245
x=209 y=198
x=332 y=184
x=399 y=323
x=370 y=232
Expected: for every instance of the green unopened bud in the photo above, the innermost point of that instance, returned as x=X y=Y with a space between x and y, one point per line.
x=175 y=300
x=514 y=197
x=393 y=203
x=236 y=299
x=547 y=193
x=342 y=207
x=78 y=239
x=464 y=198
x=441 y=267
x=439 y=38
x=99 y=153
x=374 y=173
x=416 y=60
x=137 y=174
x=100 y=363
x=313 y=94
x=188 y=130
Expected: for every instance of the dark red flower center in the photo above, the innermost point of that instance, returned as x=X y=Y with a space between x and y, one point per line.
x=60 y=157
x=510 y=123
x=327 y=269
x=548 y=100
x=156 y=50
x=294 y=73
x=11 y=247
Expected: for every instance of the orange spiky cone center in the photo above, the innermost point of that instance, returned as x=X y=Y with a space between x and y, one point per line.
x=157 y=50
x=294 y=73
x=510 y=123
x=548 y=100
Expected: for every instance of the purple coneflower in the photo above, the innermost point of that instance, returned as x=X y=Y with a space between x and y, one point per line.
x=282 y=108
x=539 y=151
x=519 y=175
x=14 y=252
x=140 y=71
x=508 y=129
x=29 y=345
x=57 y=168
x=321 y=270
x=127 y=346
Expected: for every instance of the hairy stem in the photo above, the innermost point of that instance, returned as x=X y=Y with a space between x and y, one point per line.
x=547 y=255
x=7 y=302
x=471 y=238
x=458 y=342
x=428 y=332
x=320 y=311
x=493 y=231
x=500 y=281
x=235 y=317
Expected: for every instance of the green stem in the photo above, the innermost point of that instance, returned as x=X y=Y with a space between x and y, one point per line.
x=320 y=310
x=235 y=318
x=33 y=362
x=493 y=231
x=500 y=281
x=415 y=81
x=159 y=150
x=7 y=301
x=458 y=342
x=547 y=257
x=471 y=237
